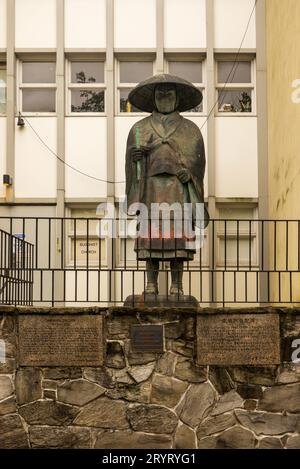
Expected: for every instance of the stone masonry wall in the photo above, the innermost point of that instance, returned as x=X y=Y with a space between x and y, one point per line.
x=146 y=400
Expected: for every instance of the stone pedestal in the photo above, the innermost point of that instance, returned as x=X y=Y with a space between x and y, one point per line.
x=169 y=301
x=145 y=399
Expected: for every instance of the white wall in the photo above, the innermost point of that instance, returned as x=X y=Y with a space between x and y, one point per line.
x=85 y=23
x=2 y=24
x=86 y=151
x=35 y=23
x=236 y=157
x=231 y=18
x=122 y=128
x=135 y=23
x=2 y=153
x=35 y=166
x=185 y=23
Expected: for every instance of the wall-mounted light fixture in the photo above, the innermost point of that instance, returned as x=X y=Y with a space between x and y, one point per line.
x=7 y=180
x=20 y=122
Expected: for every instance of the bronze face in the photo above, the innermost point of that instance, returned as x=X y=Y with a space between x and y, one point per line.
x=165 y=98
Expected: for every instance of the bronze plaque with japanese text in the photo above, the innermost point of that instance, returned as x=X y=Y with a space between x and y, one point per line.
x=238 y=339
x=56 y=340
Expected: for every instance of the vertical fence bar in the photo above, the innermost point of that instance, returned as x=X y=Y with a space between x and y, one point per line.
x=250 y=245
x=36 y=242
x=50 y=241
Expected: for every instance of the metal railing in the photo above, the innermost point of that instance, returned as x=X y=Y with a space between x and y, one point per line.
x=73 y=260
x=16 y=274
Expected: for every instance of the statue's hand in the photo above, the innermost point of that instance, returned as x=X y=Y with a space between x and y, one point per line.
x=183 y=175
x=138 y=154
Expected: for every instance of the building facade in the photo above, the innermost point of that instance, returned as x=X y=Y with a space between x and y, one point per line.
x=283 y=128
x=66 y=68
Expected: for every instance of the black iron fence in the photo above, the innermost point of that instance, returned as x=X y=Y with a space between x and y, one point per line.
x=16 y=272
x=92 y=261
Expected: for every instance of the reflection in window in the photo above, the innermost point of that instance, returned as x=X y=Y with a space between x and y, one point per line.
x=89 y=72
x=130 y=74
x=235 y=87
x=87 y=87
x=2 y=90
x=235 y=101
x=125 y=105
x=87 y=101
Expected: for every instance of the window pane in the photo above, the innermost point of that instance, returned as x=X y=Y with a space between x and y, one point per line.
x=2 y=100
x=239 y=73
x=134 y=72
x=125 y=105
x=235 y=101
x=39 y=100
x=87 y=72
x=231 y=251
x=2 y=76
x=87 y=101
x=39 y=72
x=191 y=71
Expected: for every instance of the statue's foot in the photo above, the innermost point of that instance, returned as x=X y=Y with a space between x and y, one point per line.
x=151 y=289
x=176 y=290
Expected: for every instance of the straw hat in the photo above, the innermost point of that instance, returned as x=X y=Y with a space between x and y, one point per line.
x=142 y=96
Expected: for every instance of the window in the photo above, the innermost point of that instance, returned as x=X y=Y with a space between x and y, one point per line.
x=2 y=89
x=130 y=74
x=38 y=87
x=86 y=87
x=190 y=71
x=237 y=238
x=235 y=86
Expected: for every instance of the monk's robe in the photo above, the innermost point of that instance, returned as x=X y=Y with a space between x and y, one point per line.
x=175 y=143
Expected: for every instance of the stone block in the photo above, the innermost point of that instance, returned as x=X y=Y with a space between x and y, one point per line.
x=152 y=419
x=79 y=392
x=28 y=385
x=48 y=413
x=103 y=413
x=185 y=437
x=196 y=404
x=186 y=370
x=166 y=390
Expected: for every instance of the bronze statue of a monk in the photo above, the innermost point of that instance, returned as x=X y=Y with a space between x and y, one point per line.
x=165 y=164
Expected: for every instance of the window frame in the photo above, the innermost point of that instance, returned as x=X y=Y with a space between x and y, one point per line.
x=234 y=235
x=124 y=86
x=236 y=86
x=34 y=86
x=87 y=86
x=202 y=86
x=3 y=66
